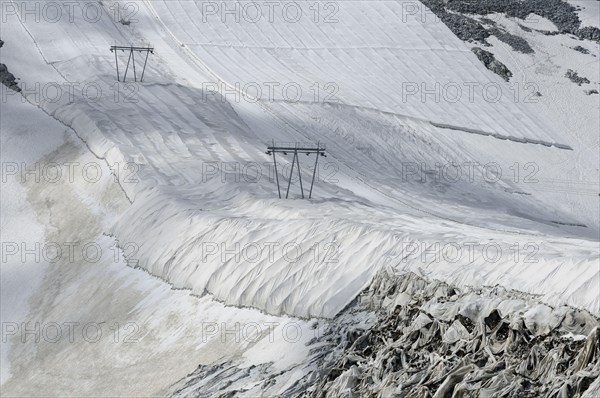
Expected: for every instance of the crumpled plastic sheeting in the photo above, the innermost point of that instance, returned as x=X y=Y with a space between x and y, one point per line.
x=407 y=337
x=434 y=341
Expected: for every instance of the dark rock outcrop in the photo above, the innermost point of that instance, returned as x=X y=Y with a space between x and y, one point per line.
x=7 y=78
x=575 y=78
x=492 y=63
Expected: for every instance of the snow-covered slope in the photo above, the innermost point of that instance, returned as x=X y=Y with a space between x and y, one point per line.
x=81 y=322
x=368 y=202
x=376 y=55
x=482 y=188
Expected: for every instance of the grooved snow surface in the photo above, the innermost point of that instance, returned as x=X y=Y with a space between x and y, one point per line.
x=367 y=206
x=376 y=52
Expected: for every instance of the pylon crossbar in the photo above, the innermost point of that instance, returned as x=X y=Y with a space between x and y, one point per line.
x=149 y=49
x=291 y=149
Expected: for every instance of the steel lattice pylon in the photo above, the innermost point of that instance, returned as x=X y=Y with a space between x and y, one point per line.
x=296 y=148
x=132 y=50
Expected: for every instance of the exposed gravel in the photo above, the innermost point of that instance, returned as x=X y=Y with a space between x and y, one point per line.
x=467 y=29
x=561 y=13
x=575 y=78
x=7 y=78
x=589 y=33
x=581 y=49
x=516 y=42
x=492 y=63
x=487 y=21
x=525 y=28
x=458 y=16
